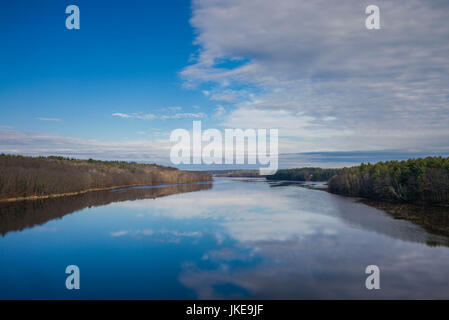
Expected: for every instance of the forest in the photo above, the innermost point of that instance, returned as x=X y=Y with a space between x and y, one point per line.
x=25 y=177
x=422 y=180
x=304 y=174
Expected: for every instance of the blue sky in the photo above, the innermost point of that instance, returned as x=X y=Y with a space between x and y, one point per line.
x=125 y=58
x=138 y=69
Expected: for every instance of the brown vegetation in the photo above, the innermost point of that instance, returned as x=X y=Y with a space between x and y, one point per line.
x=22 y=177
x=435 y=219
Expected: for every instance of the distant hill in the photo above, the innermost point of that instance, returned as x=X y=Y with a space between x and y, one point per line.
x=37 y=177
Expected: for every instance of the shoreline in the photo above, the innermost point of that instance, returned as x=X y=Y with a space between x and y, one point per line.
x=74 y=193
x=324 y=187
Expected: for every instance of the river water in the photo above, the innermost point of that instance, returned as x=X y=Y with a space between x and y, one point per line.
x=233 y=239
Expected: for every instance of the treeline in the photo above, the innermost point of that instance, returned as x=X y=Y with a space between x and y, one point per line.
x=238 y=173
x=40 y=176
x=304 y=174
x=415 y=180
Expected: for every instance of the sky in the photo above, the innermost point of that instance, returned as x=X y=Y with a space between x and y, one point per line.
x=135 y=70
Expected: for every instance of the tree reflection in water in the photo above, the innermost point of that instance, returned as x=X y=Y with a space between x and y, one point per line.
x=19 y=215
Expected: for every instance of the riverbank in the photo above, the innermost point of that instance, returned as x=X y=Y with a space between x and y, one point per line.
x=68 y=194
x=433 y=218
x=32 y=178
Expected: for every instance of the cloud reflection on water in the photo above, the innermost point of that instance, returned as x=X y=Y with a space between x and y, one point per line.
x=300 y=243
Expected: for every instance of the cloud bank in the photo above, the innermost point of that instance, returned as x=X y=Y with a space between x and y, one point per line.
x=313 y=70
x=34 y=143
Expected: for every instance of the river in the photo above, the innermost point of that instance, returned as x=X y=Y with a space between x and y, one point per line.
x=230 y=239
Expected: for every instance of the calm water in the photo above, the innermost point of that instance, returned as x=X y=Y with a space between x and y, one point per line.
x=236 y=238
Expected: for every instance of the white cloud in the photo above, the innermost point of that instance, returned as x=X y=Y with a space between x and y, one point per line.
x=147 y=116
x=227 y=96
x=172 y=109
x=121 y=115
x=137 y=115
x=185 y=115
x=314 y=65
x=43 y=143
x=119 y=233
x=49 y=119
x=219 y=111
x=170 y=113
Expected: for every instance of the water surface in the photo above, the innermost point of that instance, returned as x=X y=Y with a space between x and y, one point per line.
x=237 y=238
